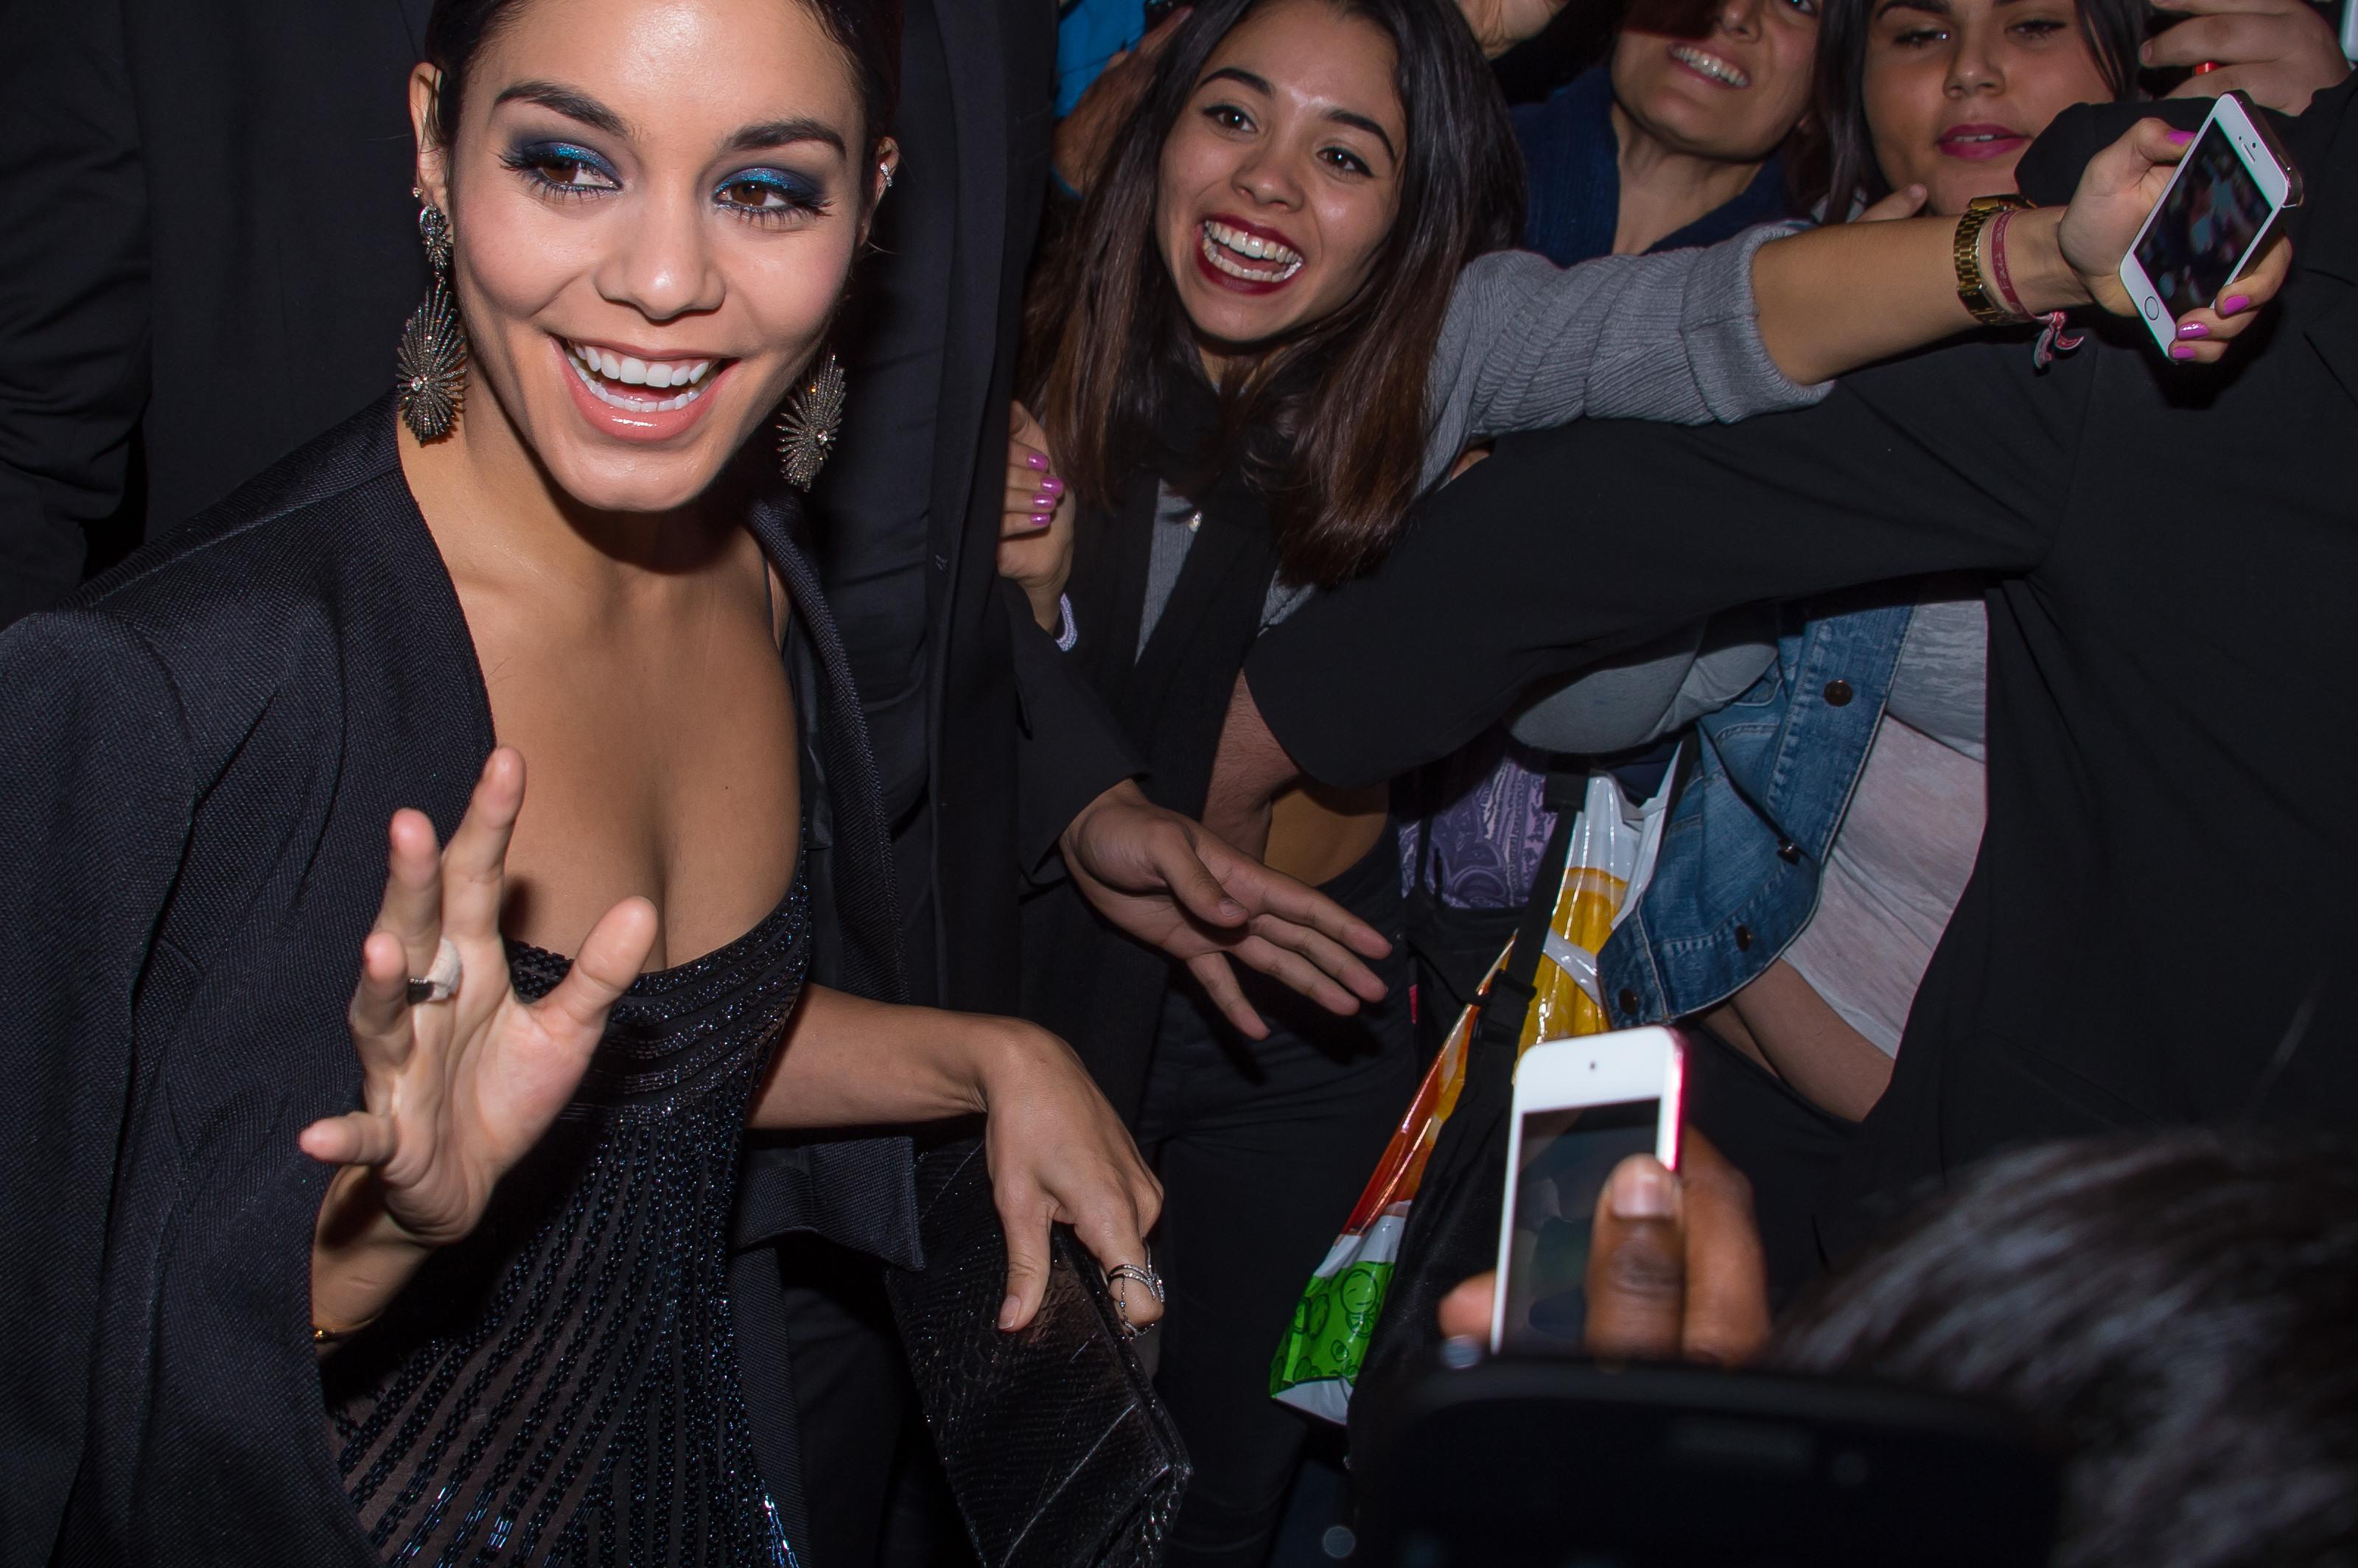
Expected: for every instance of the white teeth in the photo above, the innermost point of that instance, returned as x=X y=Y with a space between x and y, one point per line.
x=1711 y=65
x=598 y=368
x=1222 y=245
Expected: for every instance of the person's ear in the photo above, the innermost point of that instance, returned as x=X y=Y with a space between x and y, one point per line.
x=433 y=156
x=880 y=180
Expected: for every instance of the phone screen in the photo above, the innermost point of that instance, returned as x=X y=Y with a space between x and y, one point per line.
x=2209 y=217
x=1564 y=1163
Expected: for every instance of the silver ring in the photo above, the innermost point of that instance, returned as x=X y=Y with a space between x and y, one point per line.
x=1145 y=1275
x=441 y=981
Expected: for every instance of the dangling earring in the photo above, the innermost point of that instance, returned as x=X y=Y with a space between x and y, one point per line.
x=430 y=371
x=806 y=424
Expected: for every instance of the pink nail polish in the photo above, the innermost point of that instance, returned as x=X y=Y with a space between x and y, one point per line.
x=2181 y=350
x=2181 y=138
x=1052 y=485
x=1046 y=501
x=1036 y=460
x=1041 y=519
x=2192 y=330
x=2234 y=303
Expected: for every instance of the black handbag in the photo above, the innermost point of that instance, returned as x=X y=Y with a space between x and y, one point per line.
x=1057 y=1451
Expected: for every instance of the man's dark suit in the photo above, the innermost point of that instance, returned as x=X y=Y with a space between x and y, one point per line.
x=207 y=249
x=209 y=255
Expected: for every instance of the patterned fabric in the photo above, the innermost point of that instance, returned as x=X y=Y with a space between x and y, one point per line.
x=1489 y=822
x=562 y=1386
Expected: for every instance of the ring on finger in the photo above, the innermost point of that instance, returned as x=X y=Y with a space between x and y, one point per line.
x=1144 y=1274
x=441 y=981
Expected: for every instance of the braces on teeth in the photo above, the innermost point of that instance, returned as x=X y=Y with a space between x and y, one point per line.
x=1228 y=248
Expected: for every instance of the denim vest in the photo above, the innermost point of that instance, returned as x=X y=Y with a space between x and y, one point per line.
x=1738 y=874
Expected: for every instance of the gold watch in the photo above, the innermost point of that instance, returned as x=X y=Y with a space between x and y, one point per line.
x=1973 y=289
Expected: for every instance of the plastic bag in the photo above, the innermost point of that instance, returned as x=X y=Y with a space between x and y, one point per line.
x=1611 y=860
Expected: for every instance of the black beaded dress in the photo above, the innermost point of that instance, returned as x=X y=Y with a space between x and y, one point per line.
x=562 y=1386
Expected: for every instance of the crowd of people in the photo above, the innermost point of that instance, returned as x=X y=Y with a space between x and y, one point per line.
x=1049 y=566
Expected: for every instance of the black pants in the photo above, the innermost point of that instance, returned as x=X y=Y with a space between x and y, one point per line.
x=1786 y=1146
x=1262 y=1148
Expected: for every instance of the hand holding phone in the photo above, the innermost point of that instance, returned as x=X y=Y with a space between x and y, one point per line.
x=2223 y=204
x=1580 y=1107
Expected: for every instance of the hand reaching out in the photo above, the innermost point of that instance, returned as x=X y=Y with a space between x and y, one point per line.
x=454 y=1092
x=2282 y=52
x=1175 y=885
x=1499 y=24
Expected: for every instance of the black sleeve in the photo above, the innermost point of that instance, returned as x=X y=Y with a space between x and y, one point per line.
x=95 y=796
x=1069 y=750
x=1573 y=544
x=2049 y=171
x=73 y=292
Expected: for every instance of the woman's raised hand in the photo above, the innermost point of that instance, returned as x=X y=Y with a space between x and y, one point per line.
x=454 y=1091
x=2116 y=193
x=1035 y=536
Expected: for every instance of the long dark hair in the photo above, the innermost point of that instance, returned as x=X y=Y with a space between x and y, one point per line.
x=867 y=31
x=2178 y=1312
x=1345 y=396
x=1837 y=162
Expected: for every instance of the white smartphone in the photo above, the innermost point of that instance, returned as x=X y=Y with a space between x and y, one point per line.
x=1581 y=1107
x=2218 y=210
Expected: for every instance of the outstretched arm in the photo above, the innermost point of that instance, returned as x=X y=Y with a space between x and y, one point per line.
x=1836 y=299
x=1763 y=323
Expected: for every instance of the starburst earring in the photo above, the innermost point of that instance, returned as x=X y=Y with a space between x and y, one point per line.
x=806 y=424
x=430 y=371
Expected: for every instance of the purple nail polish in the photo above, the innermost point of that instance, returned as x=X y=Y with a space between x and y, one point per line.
x=2181 y=350
x=1046 y=501
x=1041 y=519
x=1036 y=460
x=1052 y=485
x=2192 y=330
x=2181 y=137
x=2234 y=303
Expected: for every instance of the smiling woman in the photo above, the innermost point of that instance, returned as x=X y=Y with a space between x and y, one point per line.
x=482 y=1198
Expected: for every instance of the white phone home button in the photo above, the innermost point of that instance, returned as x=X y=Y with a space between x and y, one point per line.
x=2152 y=308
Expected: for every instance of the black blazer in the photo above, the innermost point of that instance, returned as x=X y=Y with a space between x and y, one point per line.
x=198 y=759
x=988 y=743
x=207 y=251
x=2155 y=931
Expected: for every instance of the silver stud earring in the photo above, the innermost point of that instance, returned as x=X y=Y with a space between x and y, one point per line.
x=886 y=170
x=807 y=426
x=430 y=371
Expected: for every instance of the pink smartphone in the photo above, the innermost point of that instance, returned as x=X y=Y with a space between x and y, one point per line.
x=1581 y=1107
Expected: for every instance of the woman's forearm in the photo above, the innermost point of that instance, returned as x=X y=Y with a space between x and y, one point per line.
x=1834 y=298
x=849 y=1062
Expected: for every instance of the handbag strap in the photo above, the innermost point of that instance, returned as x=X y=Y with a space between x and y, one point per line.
x=1508 y=1002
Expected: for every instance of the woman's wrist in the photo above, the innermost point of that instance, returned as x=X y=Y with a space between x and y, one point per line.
x=2033 y=260
x=361 y=1256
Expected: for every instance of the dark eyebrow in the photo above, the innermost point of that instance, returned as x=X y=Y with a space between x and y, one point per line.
x=784 y=133
x=1340 y=116
x=1238 y=73
x=568 y=102
x=1935 y=7
x=1360 y=122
